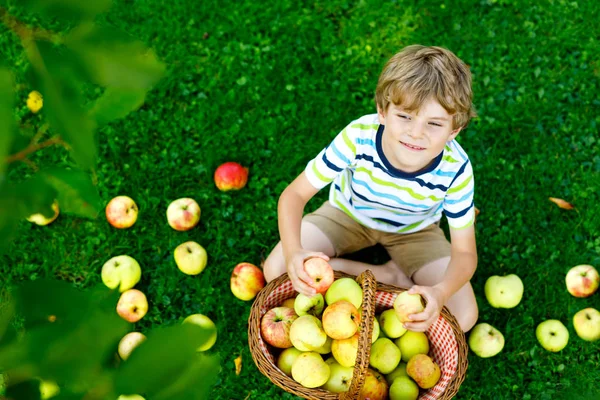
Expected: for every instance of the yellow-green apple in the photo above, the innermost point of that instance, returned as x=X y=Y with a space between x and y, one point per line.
x=289 y=302
x=183 y=214
x=331 y=360
x=190 y=258
x=326 y=348
x=122 y=271
x=307 y=334
x=130 y=397
x=399 y=371
x=412 y=343
x=504 y=291
x=48 y=389
x=423 y=370
x=391 y=325
x=345 y=350
x=230 y=176
x=385 y=355
x=345 y=289
x=582 y=280
x=552 y=335
x=121 y=212
x=206 y=323
x=320 y=272
x=376 y=330
x=246 y=281
x=587 y=324
x=375 y=386
x=129 y=342
x=42 y=220
x=341 y=320
x=310 y=370
x=404 y=388
x=340 y=378
x=485 y=340
x=407 y=304
x=304 y=305
x=381 y=332
x=286 y=360
x=275 y=326
x=132 y=305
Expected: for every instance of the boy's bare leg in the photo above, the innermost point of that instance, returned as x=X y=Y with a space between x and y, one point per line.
x=462 y=304
x=388 y=273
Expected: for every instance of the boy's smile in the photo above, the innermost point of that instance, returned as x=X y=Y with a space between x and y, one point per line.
x=411 y=140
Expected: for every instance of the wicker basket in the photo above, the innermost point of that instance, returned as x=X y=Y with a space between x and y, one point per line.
x=448 y=346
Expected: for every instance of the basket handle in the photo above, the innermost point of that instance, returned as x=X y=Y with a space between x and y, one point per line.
x=369 y=286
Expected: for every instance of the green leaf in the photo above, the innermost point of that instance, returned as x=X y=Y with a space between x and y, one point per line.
x=7 y=312
x=7 y=126
x=76 y=192
x=195 y=382
x=68 y=9
x=116 y=103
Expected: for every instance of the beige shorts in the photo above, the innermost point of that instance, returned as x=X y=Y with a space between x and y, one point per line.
x=409 y=251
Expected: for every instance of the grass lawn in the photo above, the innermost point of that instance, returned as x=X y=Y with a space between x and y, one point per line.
x=269 y=84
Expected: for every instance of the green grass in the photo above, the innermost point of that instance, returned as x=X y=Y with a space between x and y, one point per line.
x=270 y=85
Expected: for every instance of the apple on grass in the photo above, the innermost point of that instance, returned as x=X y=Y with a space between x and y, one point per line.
x=121 y=212
x=304 y=305
x=345 y=289
x=190 y=258
x=286 y=360
x=582 y=280
x=391 y=325
x=375 y=386
x=275 y=326
x=552 y=335
x=404 y=388
x=48 y=389
x=307 y=334
x=246 y=281
x=504 y=291
x=485 y=340
x=132 y=305
x=412 y=343
x=183 y=214
x=423 y=370
x=129 y=342
x=121 y=271
x=310 y=370
x=406 y=304
x=320 y=272
x=230 y=176
x=385 y=355
x=206 y=323
x=42 y=220
x=341 y=320
x=340 y=378
x=587 y=324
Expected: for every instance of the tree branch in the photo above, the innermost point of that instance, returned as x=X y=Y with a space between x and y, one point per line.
x=33 y=147
x=23 y=31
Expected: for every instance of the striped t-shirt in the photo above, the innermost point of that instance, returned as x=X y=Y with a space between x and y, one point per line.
x=374 y=193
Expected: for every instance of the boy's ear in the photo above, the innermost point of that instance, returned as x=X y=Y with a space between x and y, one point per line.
x=381 y=114
x=454 y=133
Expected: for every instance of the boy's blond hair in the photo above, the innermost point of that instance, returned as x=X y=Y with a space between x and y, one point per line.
x=418 y=73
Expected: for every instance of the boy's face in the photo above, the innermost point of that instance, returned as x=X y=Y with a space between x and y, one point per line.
x=411 y=140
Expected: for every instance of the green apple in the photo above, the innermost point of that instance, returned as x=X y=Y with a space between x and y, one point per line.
x=391 y=325
x=412 y=343
x=129 y=342
x=310 y=370
x=345 y=289
x=41 y=220
x=206 y=323
x=587 y=324
x=326 y=348
x=130 y=397
x=399 y=371
x=48 y=389
x=340 y=378
x=304 y=305
x=286 y=360
x=406 y=304
x=385 y=355
x=404 y=388
x=552 y=335
x=190 y=258
x=485 y=340
x=307 y=334
x=341 y=320
x=376 y=330
x=504 y=291
x=345 y=350
x=122 y=271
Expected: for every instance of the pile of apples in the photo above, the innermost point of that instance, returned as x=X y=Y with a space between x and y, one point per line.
x=319 y=338
x=507 y=292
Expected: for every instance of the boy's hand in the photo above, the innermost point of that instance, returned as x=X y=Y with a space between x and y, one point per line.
x=435 y=302
x=298 y=276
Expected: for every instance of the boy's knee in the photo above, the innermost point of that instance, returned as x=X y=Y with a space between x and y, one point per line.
x=468 y=319
x=274 y=266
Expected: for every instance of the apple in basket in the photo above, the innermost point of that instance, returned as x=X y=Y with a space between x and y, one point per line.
x=375 y=386
x=407 y=304
x=341 y=320
x=286 y=360
x=425 y=372
x=307 y=334
x=320 y=272
x=391 y=325
x=345 y=289
x=304 y=305
x=404 y=388
x=345 y=350
x=385 y=355
x=275 y=326
x=399 y=371
x=412 y=343
x=310 y=370
x=340 y=377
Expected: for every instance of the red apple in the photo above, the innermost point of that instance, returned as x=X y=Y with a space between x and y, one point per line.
x=132 y=305
x=320 y=272
x=231 y=176
x=183 y=214
x=121 y=212
x=275 y=326
x=582 y=280
x=375 y=386
x=246 y=281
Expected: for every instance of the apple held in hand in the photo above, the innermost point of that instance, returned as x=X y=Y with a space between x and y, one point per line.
x=206 y=323
x=485 y=340
x=582 y=280
x=190 y=258
x=41 y=219
x=375 y=386
x=231 y=176
x=129 y=342
x=504 y=291
x=341 y=320
x=320 y=272
x=275 y=326
x=587 y=324
x=121 y=212
x=345 y=289
x=183 y=214
x=122 y=271
x=407 y=304
x=304 y=305
x=552 y=335
x=132 y=305
x=246 y=281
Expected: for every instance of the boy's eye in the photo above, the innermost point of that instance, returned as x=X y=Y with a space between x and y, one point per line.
x=403 y=116
x=434 y=124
